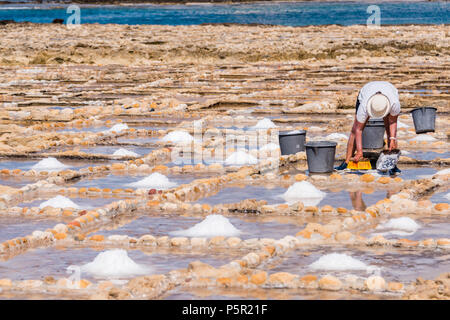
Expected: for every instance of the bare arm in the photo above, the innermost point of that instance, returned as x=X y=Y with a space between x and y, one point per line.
x=392 y=143
x=358 y=128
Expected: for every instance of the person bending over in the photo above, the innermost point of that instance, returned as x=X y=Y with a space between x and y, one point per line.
x=376 y=99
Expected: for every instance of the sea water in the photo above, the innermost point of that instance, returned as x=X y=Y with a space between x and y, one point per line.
x=291 y=14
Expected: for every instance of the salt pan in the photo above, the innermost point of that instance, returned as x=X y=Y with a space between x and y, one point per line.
x=213 y=225
x=125 y=153
x=264 y=124
x=114 y=264
x=239 y=158
x=59 y=202
x=303 y=191
x=178 y=136
x=49 y=164
x=155 y=180
x=338 y=262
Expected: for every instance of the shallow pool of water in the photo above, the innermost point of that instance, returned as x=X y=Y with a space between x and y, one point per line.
x=358 y=200
x=409 y=173
x=16 y=182
x=28 y=164
x=430 y=227
x=83 y=203
x=113 y=181
x=396 y=265
x=151 y=141
x=440 y=197
x=251 y=227
x=83 y=129
x=12 y=227
x=236 y=194
x=53 y=261
x=109 y=150
x=429 y=155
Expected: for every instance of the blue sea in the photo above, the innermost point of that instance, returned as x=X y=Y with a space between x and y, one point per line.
x=287 y=13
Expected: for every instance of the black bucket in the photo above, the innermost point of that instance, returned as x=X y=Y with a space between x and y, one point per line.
x=320 y=156
x=424 y=119
x=373 y=134
x=292 y=142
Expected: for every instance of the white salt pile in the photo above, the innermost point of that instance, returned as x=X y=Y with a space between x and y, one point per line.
x=154 y=181
x=336 y=136
x=269 y=147
x=49 y=164
x=443 y=172
x=59 y=202
x=303 y=191
x=114 y=264
x=403 y=224
x=338 y=262
x=125 y=153
x=199 y=123
x=178 y=136
x=213 y=225
x=240 y=158
x=264 y=124
x=118 y=127
x=423 y=137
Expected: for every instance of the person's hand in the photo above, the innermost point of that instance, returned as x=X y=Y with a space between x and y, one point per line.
x=393 y=144
x=357 y=156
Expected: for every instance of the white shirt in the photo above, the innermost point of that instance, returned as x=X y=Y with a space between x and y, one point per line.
x=369 y=90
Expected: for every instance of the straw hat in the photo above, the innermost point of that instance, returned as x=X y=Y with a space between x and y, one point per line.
x=378 y=106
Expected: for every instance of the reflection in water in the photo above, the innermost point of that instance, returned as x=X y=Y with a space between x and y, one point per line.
x=358 y=202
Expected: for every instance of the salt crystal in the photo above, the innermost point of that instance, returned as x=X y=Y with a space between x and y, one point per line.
x=59 y=202
x=338 y=262
x=269 y=147
x=303 y=191
x=154 y=181
x=125 y=153
x=114 y=264
x=240 y=158
x=178 y=136
x=213 y=225
x=405 y=224
x=118 y=127
x=443 y=172
x=49 y=164
x=264 y=124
